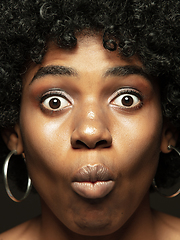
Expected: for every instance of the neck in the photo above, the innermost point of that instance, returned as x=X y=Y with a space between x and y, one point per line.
x=139 y=226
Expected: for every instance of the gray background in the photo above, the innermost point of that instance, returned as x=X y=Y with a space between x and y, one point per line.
x=12 y=214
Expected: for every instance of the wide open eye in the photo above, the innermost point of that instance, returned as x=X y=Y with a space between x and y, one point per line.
x=55 y=103
x=127 y=100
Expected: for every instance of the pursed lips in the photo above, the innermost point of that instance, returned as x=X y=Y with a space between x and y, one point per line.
x=93 y=181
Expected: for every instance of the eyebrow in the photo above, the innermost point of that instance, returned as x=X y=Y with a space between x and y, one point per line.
x=127 y=70
x=57 y=70
x=54 y=70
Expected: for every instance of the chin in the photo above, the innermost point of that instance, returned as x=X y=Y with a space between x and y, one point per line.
x=94 y=227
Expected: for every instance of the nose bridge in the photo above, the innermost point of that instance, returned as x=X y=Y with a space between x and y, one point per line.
x=92 y=112
x=91 y=123
x=91 y=119
x=91 y=126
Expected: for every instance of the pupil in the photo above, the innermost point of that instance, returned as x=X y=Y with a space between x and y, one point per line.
x=54 y=103
x=127 y=101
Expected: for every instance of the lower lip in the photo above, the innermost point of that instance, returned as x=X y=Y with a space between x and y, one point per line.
x=91 y=190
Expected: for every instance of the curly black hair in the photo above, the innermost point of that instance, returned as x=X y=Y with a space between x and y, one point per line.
x=149 y=29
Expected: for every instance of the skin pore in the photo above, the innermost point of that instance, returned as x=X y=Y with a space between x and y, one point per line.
x=89 y=107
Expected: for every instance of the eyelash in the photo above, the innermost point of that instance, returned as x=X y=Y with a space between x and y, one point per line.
x=133 y=93
x=52 y=95
x=66 y=100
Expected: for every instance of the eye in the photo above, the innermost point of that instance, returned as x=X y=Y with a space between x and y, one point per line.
x=54 y=103
x=127 y=100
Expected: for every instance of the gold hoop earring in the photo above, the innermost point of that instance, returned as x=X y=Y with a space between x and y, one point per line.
x=154 y=182
x=5 y=171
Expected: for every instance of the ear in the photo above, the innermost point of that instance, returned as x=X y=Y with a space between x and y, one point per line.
x=169 y=137
x=12 y=138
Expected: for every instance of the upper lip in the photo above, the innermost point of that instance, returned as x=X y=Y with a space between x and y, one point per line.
x=93 y=173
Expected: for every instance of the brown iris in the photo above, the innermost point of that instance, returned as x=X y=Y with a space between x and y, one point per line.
x=54 y=103
x=127 y=101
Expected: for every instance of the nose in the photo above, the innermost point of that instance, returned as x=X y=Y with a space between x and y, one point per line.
x=91 y=132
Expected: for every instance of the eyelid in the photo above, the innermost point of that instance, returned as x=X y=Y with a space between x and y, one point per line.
x=56 y=92
x=125 y=90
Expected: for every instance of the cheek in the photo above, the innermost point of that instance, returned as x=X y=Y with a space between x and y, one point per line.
x=137 y=145
x=45 y=145
x=138 y=139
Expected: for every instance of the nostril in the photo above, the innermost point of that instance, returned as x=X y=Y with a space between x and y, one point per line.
x=102 y=143
x=83 y=138
x=80 y=144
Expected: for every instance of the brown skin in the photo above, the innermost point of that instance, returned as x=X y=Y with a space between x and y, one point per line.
x=93 y=127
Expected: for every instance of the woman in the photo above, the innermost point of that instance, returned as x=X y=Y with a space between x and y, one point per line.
x=90 y=99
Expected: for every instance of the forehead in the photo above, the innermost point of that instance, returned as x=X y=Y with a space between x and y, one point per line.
x=90 y=49
x=89 y=55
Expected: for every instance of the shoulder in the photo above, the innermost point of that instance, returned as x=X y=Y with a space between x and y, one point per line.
x=166 y=226
x=24 y=231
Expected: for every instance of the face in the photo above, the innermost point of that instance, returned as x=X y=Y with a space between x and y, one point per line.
x=91 y=126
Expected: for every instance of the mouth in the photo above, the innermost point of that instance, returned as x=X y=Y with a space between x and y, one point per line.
x=93 y=181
